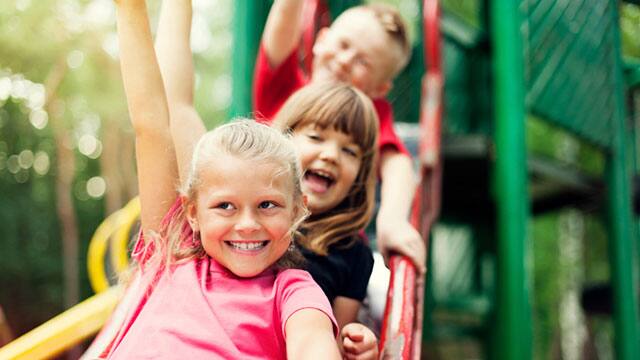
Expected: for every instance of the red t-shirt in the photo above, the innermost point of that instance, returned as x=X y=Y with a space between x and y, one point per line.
x=273 y=86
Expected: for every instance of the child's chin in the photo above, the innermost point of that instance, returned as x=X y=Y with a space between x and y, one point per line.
x=246 y=272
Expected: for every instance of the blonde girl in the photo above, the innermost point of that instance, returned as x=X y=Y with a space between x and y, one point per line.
x=210 y=282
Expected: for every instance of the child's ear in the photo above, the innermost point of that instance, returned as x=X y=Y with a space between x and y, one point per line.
x=320 y=38
x=191 y=213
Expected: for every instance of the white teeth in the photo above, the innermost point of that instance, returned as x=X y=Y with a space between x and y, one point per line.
x=247 y=245
x=322 y=173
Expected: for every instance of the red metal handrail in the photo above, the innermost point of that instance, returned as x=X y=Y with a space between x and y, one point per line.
x=402 y=324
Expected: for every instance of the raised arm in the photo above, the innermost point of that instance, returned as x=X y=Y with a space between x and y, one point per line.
x=309 y=335
x=155 y=156
x=176 y=64
x=283 y=30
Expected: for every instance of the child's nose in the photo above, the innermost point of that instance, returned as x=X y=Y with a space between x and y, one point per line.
x=247 y=223
x=345 y=57
x=329 y=152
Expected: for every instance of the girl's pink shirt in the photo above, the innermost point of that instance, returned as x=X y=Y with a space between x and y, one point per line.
x=201 y=310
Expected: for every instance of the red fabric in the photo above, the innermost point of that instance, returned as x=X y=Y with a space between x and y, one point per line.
x=273 y=86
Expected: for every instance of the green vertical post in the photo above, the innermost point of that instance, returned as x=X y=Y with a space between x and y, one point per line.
x=625 y=295
x=336 y=7
x=249 y=17
x=513 y=337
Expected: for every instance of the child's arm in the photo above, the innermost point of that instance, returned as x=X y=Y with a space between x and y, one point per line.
x=283 y=30
x=309 y=335
x=345 y=310
x=155 y=156
x=394 y=232
x=176 y=64
x=358 y=342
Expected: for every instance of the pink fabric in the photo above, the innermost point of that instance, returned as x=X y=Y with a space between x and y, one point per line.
x=273 y=86
x=201 y=310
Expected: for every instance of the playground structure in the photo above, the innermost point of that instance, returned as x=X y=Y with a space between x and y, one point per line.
x=559 y=61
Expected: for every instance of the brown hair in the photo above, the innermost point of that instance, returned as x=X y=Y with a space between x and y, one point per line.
x=346 y=109
x=393 y=25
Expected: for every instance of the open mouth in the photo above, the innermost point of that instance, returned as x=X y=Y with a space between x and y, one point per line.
x=318 y=181
x=247 y=245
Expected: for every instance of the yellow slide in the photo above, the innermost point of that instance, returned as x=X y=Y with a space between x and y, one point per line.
x=88 y=317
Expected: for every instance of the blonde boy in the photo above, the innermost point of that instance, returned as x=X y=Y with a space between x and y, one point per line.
x=365 y=46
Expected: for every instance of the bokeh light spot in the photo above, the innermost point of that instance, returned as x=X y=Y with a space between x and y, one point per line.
x=96 y=187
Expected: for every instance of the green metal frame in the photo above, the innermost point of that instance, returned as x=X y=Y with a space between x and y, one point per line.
x=248 y=21
x=621 y=240
x=512 y=301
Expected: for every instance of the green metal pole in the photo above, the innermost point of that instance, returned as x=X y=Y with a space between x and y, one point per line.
x=625 y=294
x=248 y=21
x=513 y=340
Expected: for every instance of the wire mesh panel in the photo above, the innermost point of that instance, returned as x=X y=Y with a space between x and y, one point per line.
x=569 y=55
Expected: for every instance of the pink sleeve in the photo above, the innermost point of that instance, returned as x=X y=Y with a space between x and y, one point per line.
x=298 y=291
x=388 y=137
x=273 y=86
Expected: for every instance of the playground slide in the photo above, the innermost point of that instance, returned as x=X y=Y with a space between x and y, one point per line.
x=65 y=330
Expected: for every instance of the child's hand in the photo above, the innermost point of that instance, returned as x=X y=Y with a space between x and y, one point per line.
x=401 y=237
x=358 y=342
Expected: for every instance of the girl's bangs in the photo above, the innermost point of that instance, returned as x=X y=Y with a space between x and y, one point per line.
x=347 y=115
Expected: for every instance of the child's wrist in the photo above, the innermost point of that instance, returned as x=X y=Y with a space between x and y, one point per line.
x=389 y=215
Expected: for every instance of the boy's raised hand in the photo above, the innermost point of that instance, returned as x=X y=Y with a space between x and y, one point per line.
x=283 y=30
x=358 y=342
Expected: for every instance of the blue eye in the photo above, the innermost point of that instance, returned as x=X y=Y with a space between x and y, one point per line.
x=224 y=206
x=267 y=205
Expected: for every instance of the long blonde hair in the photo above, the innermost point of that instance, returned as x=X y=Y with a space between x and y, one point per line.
x=346 y=109
x=245 y=139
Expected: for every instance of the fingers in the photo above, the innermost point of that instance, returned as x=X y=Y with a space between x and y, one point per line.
x=418 y=254
x=353 y=331
x=403 y=239
x=359 y=342
x=414 y=250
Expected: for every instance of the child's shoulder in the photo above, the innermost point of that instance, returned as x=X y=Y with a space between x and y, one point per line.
x=288 y=279
x=293 y=275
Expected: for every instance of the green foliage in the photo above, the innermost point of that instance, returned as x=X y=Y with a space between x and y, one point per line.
x=630 y=29
x=31 y=268
x=546 y=140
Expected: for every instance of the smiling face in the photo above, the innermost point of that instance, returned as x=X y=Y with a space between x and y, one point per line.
x=244 y=211
x=357 y=50
x=330 y=163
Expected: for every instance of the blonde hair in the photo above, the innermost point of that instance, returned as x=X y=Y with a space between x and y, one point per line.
x=247 y=140
x=393 y=25
x=346 y=109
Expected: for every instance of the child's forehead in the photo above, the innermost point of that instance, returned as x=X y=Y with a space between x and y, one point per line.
x=228 y=168
x=359 y=16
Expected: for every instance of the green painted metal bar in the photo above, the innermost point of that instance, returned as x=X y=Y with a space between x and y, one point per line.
x=623 y=277
x=248 y=21
x=513 y=340
x=336 y=7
